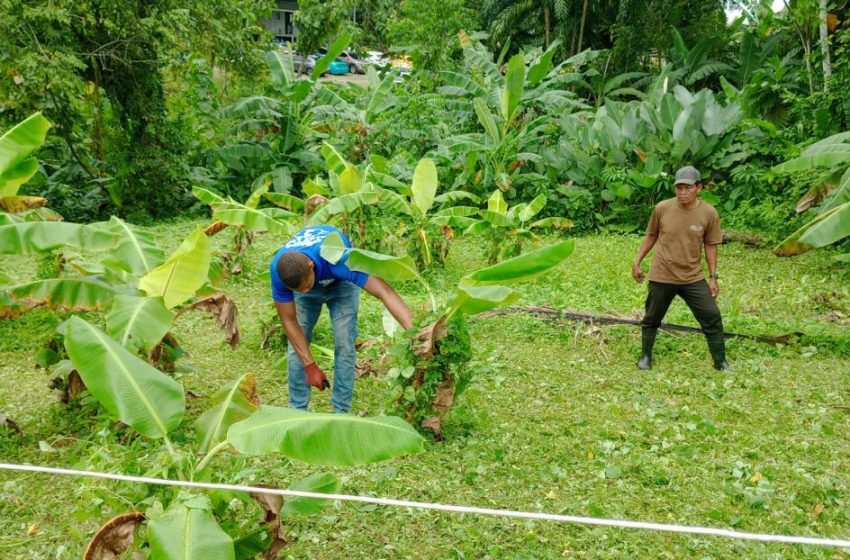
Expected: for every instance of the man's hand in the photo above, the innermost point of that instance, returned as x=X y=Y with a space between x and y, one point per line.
x=637 y=273
x=316 y=377
x=713 y=287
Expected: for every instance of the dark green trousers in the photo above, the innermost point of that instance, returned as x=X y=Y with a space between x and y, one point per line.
x=696 y=295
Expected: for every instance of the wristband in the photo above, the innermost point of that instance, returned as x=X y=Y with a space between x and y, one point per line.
x=713 y=276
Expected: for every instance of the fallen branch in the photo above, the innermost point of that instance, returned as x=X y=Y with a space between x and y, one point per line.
x=593 y=318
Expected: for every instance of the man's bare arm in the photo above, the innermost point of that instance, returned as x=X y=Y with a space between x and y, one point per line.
x=645 y=248
x=392 y=301
x=711 y=260
x=294 y=332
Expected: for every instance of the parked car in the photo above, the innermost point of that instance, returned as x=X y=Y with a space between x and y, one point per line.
x=355 y=64
x=377 y=58
x=309 y=61
x=338 y=67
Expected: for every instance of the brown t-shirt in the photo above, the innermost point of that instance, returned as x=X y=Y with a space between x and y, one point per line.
x=682 y=232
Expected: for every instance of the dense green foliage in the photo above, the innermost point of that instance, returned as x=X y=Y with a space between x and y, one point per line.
x=149 y=101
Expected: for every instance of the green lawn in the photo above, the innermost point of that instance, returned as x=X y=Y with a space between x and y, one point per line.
x=558 y=419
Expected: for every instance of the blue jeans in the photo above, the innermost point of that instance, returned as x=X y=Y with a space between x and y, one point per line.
x=343 y=300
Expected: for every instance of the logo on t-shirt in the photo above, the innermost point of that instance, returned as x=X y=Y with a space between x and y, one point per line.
x=307 y=238
x=696 y=227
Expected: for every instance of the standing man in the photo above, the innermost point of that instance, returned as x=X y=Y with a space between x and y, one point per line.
x=301 y=281
x=679 y=229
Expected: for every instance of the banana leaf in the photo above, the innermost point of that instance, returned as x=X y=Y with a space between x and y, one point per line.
x=324 y=483
x=478 y=227
x=350 y=180
x=129 y=388
x=18 y=204
x=207 y=196
x=834 y=226
x=820 y=159
x=543 y=65
x=233 y=403
x=532 y=208
x=460 y=222
x=522 y=267
x=460 y=85
x=28 y=238
x=393 y=202
x=514 y=82
x=254 y=200
x=388 y=267
x=381 y=178
x=334 y=51
x=487 y=120
x=465 y=144
x=16 y=147
x=183 y=274
x=281 y=66
x=497 y=219
x=793 y=244
x=470 y=300
x=137 y=251
x=138 y=322
x=343 y=205
x=457 y=211
x=286 y=201
x=382 y=98
x=455 y=196
x=187 y=530
x=424 y=186
x=272 y=220
x=840 y=195
x=61 y=294
x=496 y=203
x=333 y=159
x=840 y=138
x=324 y=438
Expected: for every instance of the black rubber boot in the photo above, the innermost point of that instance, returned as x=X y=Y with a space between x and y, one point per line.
x=647 y=339
x=717 y=349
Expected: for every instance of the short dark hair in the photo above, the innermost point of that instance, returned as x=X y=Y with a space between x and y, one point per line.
x=293 y=268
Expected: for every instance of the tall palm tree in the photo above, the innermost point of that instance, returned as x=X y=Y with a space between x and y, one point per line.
x=529 y=17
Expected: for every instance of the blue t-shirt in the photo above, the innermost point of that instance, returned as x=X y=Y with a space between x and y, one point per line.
x=309 y=242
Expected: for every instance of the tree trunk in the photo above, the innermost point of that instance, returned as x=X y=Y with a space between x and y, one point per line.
x=824 y=45
x=807 y=53
x=546 y=25
x=581 y=27
x=573 y=36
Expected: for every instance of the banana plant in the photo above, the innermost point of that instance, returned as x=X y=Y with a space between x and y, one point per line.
x=602 y=89
x=350 y=197
x=126 y=275
x=17 y=166
x=832 y=223
x=434 y=369
x=246 y=219
x=153 y=404
x=694 y=65
x=358 y=112
x=508 y=229
x=503 y=150
x=272 y=130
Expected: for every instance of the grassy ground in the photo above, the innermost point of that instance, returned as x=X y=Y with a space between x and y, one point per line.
x=557 y=420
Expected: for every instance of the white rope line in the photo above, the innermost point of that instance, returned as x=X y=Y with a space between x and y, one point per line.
x=621 y=523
